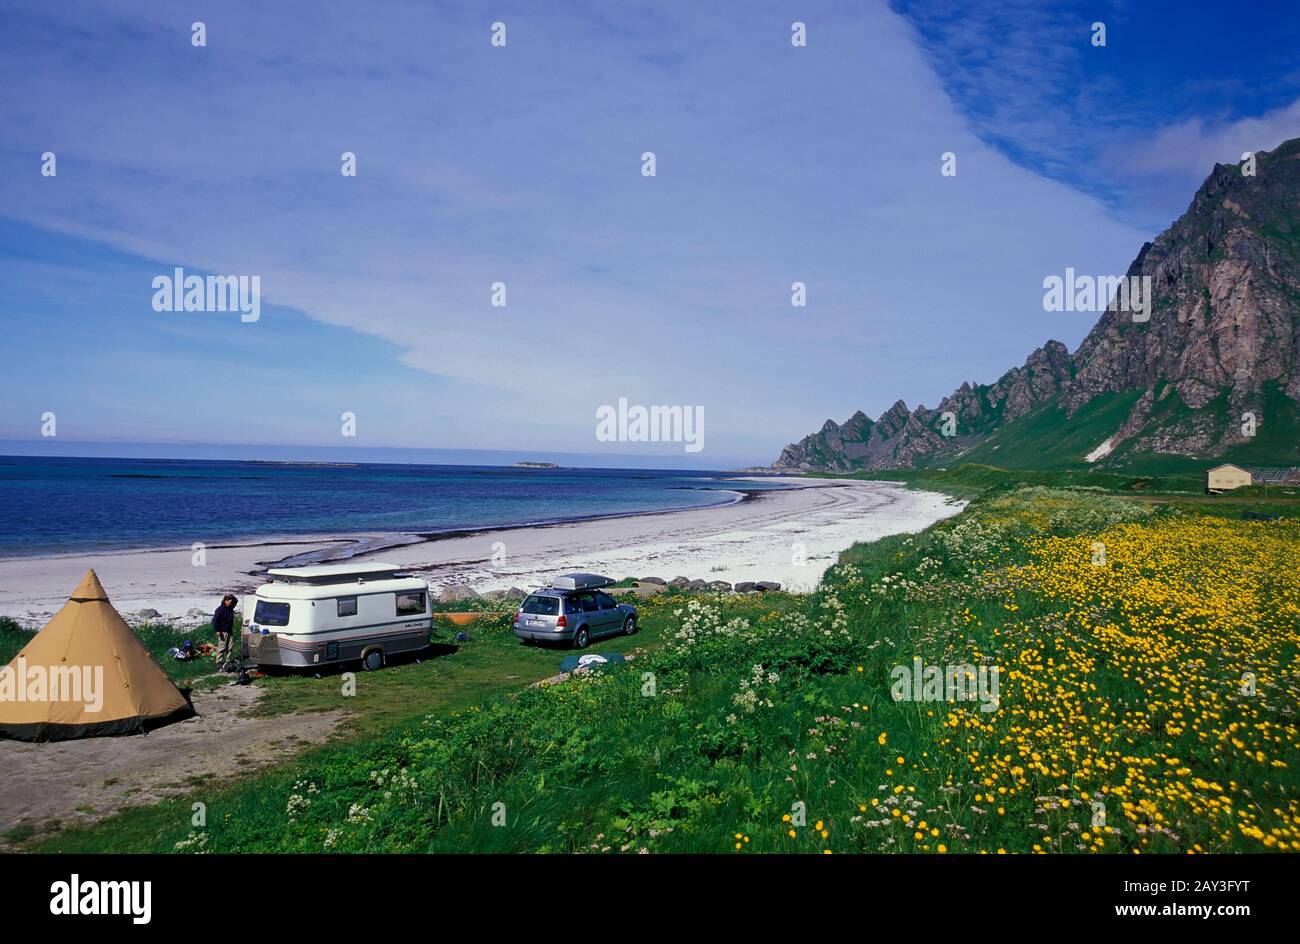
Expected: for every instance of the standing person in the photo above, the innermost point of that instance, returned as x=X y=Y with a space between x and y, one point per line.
x=223 y=622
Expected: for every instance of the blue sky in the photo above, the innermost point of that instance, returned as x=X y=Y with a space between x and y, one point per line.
x=522 y=165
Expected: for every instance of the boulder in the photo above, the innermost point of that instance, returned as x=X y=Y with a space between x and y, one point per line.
x=658 y=580
x=745 y=586
x=456 y=592
x=514 y=593
x=698 y=585
x=721 y=585
x=679 y=582
x=149 y=613
x=766 y=585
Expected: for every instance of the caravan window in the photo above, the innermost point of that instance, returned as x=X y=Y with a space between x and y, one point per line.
x=347 y=606
x=410 y=603
x=271 y=614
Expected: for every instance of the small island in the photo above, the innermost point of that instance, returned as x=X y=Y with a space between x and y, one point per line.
x=536 y=465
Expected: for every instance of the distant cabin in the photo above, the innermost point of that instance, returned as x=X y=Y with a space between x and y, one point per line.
x=1224 y=478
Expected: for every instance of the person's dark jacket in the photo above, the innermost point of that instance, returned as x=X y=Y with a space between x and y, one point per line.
x=223 y=621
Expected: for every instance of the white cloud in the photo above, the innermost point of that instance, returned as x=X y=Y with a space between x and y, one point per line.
x=1188 y=150
x=522 y=165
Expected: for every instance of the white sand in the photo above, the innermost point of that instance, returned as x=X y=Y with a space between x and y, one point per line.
x=789 y=536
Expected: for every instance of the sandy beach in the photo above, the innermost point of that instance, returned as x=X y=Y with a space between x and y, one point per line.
x=788 y=535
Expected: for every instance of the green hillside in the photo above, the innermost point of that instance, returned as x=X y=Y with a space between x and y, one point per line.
x=1050 y=439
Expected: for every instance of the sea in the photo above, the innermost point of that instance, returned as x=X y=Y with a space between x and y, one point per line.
x=64 y=504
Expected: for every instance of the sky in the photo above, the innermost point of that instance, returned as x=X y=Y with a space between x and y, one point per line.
x=523 y=164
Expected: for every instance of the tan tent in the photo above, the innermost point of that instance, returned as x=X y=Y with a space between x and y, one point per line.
x=85 y=674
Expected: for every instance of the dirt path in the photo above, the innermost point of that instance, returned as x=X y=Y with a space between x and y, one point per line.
x=46 y=786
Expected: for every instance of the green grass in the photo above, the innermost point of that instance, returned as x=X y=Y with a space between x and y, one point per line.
x=452 y=677
x=970 y=480
x=1050 y=439
x=1047 y=438
x=740 y=710
x=448 y=676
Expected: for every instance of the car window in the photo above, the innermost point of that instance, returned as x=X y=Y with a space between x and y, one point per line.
x=271 y=614
x=579 y=603
x=606 y=601
x=542 y=606
x=410 y=603
x=347 y=606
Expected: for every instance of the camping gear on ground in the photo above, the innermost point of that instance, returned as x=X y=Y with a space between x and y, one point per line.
x=460 y=618
x=310 y=616
x=85 y=674
x=182 y=653
x=590 y=660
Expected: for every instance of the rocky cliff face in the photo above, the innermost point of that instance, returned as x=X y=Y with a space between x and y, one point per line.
x=1224 y=327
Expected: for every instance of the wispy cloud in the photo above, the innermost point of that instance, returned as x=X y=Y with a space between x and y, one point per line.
x=522 y=165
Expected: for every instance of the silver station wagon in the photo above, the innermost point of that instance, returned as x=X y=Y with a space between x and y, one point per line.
x=573 y=609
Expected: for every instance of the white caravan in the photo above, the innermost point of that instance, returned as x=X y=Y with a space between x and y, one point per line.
x=312 y=616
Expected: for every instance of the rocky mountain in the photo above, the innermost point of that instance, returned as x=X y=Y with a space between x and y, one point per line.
x=1209 y=369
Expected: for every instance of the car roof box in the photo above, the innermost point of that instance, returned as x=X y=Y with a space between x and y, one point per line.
x=580 y=582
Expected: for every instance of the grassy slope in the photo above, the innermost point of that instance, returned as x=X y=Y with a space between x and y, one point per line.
x=969 y=480
x=1184 y=492
x=386 y=703
x=717 y=751
x=1049 y=439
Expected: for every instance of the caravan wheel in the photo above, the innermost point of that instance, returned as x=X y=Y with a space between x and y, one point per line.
x=373 y=660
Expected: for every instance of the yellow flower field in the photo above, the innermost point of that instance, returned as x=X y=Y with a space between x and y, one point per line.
x=1161 y=681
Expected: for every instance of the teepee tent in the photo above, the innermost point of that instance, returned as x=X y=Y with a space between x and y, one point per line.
x=85 y=674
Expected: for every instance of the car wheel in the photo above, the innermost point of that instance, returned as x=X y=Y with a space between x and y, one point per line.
x=581 y=638
x=373 y=660
x=629 y=625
